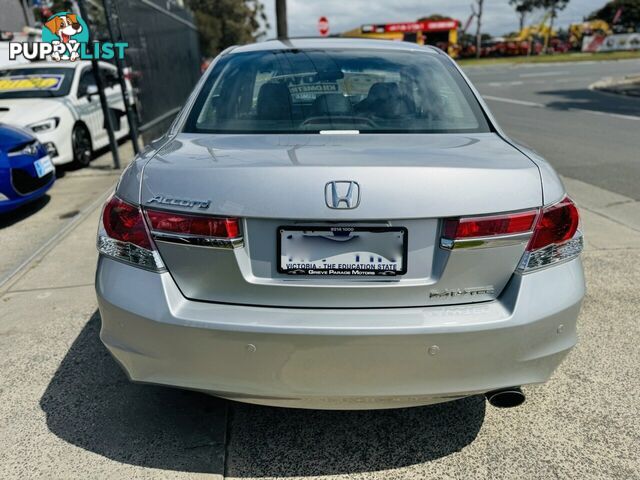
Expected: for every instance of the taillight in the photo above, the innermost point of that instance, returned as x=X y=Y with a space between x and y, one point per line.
x=557 y=224
x=178 y=223
x=556 y=237
x=177 y=227
x=123 y=235
x=124 y=222
x=487 y=226
x=488 y=230
x=551 y=234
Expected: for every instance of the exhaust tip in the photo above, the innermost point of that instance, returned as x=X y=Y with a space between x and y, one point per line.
x=506 y=397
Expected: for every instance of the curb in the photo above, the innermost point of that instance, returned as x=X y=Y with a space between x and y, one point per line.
x=629 y=85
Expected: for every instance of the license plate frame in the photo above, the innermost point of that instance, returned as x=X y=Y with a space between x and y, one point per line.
x=340 y=272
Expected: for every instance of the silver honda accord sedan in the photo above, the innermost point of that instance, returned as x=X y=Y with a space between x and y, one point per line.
x=339 y=224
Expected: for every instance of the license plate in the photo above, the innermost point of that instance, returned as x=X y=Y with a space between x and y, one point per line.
x=342 y=251
x=43 y=166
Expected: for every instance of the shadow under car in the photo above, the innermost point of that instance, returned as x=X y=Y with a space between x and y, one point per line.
x=90 y=403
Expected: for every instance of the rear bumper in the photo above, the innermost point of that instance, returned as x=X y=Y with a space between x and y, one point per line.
x=342 y=359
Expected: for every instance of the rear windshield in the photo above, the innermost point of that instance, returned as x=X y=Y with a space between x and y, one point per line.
x=307 y=91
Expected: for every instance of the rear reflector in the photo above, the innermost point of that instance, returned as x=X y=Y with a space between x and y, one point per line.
x=193 y=225
x=474 y=227
x=123 y=235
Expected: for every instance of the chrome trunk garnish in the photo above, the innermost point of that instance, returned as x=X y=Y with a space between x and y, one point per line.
x=485 y=242
x=198 y=240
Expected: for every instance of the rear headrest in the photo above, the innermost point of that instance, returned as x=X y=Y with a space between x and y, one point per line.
x=387 y=101
x=384 y=91
x=274 y=102
x=332 y=104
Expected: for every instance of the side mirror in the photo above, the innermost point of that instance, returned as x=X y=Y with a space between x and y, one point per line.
x=91 y=90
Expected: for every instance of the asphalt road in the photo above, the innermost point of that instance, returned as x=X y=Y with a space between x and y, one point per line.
x=587 y=135
x=67 y=410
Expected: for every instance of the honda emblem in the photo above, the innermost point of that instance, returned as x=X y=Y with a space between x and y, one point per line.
x=342 y=194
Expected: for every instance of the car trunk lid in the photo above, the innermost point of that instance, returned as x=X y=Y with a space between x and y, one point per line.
x=279 y=182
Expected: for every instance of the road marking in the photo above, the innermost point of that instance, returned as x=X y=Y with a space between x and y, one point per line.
x=544 y=74
x=571 y=80
x=532 y=82
x=597 y=112
x=541 y=105
x=514 y=101
x=502 y=84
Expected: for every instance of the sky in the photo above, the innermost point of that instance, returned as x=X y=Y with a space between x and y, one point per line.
x=498 y=18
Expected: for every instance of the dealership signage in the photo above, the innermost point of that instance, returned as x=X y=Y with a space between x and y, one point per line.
x=424 y=26
x=611 y=43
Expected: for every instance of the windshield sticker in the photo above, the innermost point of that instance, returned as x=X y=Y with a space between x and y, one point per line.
x=308 y=92
x=20 y=83
x=314 y=88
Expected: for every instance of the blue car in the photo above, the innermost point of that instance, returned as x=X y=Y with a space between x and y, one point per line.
x=26 y=171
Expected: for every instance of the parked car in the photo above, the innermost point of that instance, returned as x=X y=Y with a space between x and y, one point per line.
x=59 y=104
x=26 y=171
x=339 y=223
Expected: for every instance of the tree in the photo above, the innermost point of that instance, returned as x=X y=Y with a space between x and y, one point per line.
x=630 y=14
x=553 y=6
x=522 y=8
x=42 y=14
x=222 y=23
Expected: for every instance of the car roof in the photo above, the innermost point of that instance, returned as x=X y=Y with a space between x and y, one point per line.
x=332 y=43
